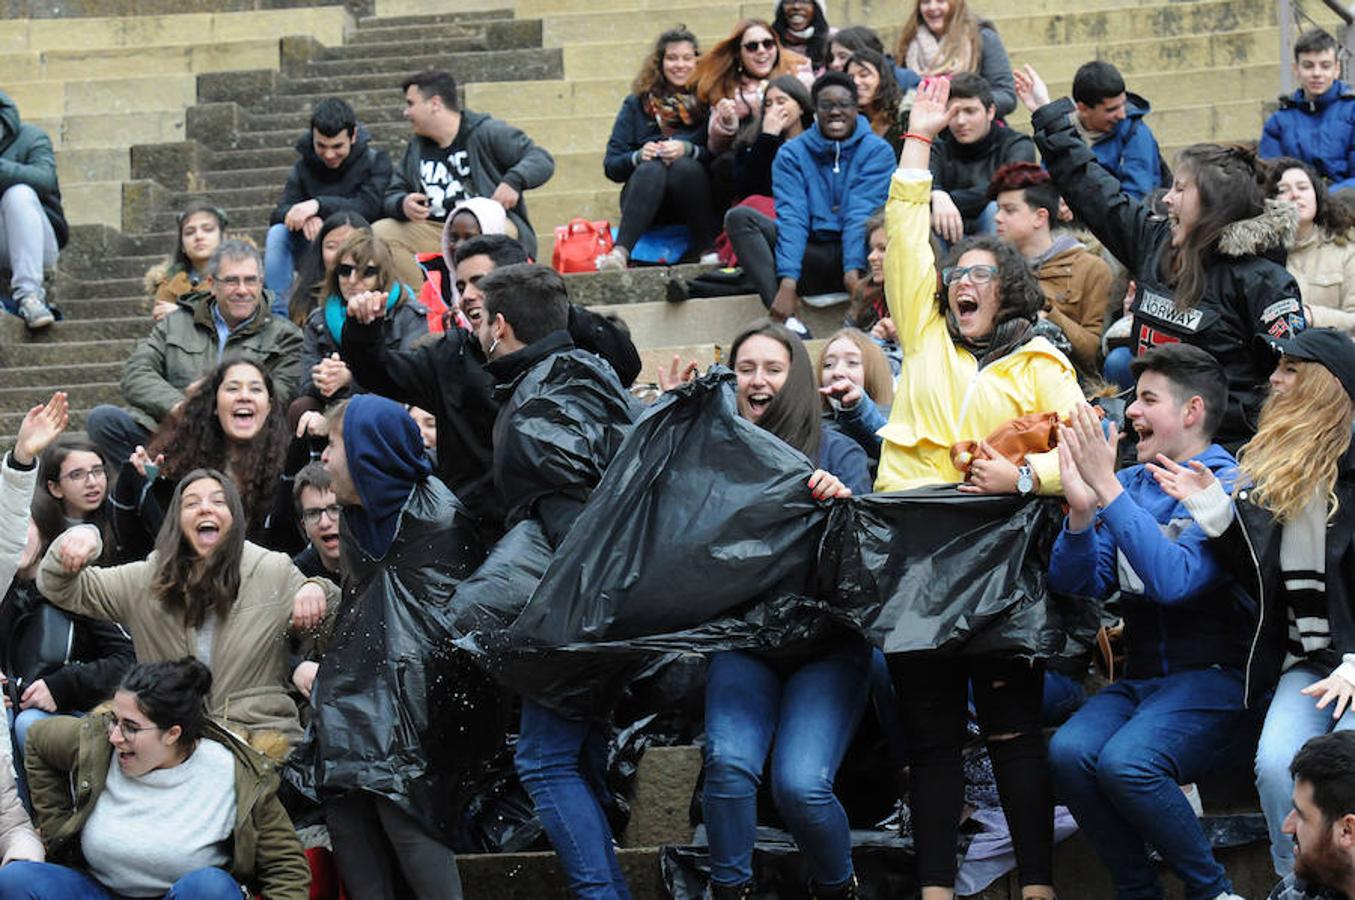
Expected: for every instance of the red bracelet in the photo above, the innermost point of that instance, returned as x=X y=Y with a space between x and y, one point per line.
x=917 y=137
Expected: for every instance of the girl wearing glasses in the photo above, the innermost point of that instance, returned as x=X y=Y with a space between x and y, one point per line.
x=970 y=364
x=363 y=268
x=732 y=76
x=202 y=228
x=204 y=589
x=166 y=803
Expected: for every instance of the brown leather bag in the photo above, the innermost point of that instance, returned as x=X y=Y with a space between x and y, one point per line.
x=1013 y=440
x=1109 y=656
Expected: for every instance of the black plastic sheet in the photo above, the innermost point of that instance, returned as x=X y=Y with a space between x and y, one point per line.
x=937 y=571
x=399 y=712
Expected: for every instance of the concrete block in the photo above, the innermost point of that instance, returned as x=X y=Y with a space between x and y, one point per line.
x=664 y=783
x=571 y=133
x=572 y=28
x=140 y=202
x=327 y=24
x=221 y=87
x=92 y=203
x=391 y=8
x=175 y=166
x=130 y=95
x=584 y=96
x=74 y=166
x=213 y=124
x=122 y=129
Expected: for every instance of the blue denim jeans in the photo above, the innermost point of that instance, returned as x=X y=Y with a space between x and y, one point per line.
x=811 y=715
x=1062 y=697
x=281 y=248
x=47 y=881
x=562 y=764
x=1291 y=720
x=1119 y=761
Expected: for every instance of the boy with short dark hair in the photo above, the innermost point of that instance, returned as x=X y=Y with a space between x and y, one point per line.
x=1316 y=123
x=1118 y=761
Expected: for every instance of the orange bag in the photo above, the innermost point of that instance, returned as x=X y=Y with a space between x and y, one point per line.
x=579 y=244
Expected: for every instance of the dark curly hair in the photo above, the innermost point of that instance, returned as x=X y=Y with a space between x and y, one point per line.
x=1018 y=294
x=192 y=438
x=172 y=692
x=883 y=108
x=1333 y=215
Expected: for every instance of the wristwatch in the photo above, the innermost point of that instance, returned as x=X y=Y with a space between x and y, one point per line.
x=1025 y=480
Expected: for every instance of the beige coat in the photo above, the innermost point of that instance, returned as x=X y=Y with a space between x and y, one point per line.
x=250 y=663
x=1076 y=285
x=1325 y=271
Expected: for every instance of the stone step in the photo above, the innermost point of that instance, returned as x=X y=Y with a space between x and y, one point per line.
x=1219 y=50
x=93 y=203
x=495 y=65
x=327 y=24
x=136 y=8
x=65 y=374
x=69 y=287
x=384 y=135
x=120 y=268
x=110 y=307
x=117 y=130
x=264 y=176
x=74 y=165
x=299 y=122
x=127 y=62
x=497 y=34
x=47 y=355
x=380 y=21
x=10 y=422
x=102 y=96
x=75 y=330
x=81 y=396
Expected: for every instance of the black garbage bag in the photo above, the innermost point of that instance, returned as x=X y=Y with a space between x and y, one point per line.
x=399 y=711
x=934 y=570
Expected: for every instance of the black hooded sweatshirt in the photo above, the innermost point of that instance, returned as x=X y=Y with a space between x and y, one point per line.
x=357 y=185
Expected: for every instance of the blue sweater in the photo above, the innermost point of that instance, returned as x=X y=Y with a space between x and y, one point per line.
x=843 y=458
x=827 y=189
x=1319 y=131
x=1182 y=610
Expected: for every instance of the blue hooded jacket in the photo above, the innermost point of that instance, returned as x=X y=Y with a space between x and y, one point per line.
x=1320 y=132
x=1130 y=152
x=385 y=460
x=1182 y=609
x=828 y=189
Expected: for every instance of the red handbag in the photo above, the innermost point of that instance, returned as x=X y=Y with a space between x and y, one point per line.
x=579 y=244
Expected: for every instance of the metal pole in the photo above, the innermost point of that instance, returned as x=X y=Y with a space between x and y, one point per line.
x=1286 y=13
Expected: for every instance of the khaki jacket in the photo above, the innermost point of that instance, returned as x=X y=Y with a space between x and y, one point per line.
x=1325 y=271
x=251 y=664
x=182 y=347
x=1076 y=284
x=67 y=761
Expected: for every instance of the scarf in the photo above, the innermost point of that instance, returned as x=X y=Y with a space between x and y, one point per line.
x=926 y=57
x=1006 y=337
x=336 y=311
x=673 y=112
x=1303 y=563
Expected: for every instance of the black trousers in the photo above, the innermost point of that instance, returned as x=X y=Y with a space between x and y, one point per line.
x=753 y=237
x=656 y=193
x=933 y=701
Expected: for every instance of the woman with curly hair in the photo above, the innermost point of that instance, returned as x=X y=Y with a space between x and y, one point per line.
x=232 y=421
x=207 y=590
x=1287 y=531
x=362 y=268
x=732 y=77
x=658 y=151
x=944 y=37
x=970 y=364
x=202 y=228
x=878 y=96
x=1322 y=254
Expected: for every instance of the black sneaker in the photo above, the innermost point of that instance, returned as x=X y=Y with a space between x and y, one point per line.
x=676 y=289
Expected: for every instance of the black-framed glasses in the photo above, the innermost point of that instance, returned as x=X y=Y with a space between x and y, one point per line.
x=755 y=46
x=312 y=514
x=98 y=473
x=129 y=729
x=346 y=270
x=977 y=274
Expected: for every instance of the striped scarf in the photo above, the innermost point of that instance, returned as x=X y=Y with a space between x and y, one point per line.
x=1303 y=561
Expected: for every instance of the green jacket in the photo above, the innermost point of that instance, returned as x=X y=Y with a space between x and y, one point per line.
x=26 y=157
x=67 y=760
x=182 y=347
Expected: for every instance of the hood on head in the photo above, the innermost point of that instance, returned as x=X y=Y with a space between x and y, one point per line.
x=9 y=119
x=384 y=450
x=1275 y=227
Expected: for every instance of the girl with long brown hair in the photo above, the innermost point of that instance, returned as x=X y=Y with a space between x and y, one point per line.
x=732 y=76
x=944 y=37
x=1203 y=273
x=1287 y=534
x=204 y=589
x=1321 y=256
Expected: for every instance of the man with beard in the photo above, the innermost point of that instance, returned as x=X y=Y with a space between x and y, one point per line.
x=1322 y=821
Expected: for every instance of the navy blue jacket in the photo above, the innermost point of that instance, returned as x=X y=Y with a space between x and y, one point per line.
x=1319 y=131
x=1182 y=608
x=633 y=129
x=843 y=458
x=1130 y=152
x=827 y=189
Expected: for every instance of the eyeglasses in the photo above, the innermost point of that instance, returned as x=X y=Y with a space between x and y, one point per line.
x=755 y=46
x=129 y=730
x=977 y=274
x=312 y=514
x=98 y=473
x=825 y=105
x=346 y=270
x=235 y=281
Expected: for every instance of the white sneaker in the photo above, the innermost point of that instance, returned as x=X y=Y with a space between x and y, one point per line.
x=710 y=259
x=614 y=261
x=35 y=313
x=800 y=328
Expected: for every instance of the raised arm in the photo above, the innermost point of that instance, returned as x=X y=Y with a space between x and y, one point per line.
x=101 y=593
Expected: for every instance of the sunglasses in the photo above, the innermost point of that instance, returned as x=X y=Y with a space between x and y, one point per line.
x=346 y=270
x=764 y=44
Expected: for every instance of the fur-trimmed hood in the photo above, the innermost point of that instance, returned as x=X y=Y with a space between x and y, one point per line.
x=1274 y=228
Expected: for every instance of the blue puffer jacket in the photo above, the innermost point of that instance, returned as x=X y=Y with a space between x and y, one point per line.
x=1130 y=152
x=828 y=189
x=1320 y=132
x=1182 y=609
